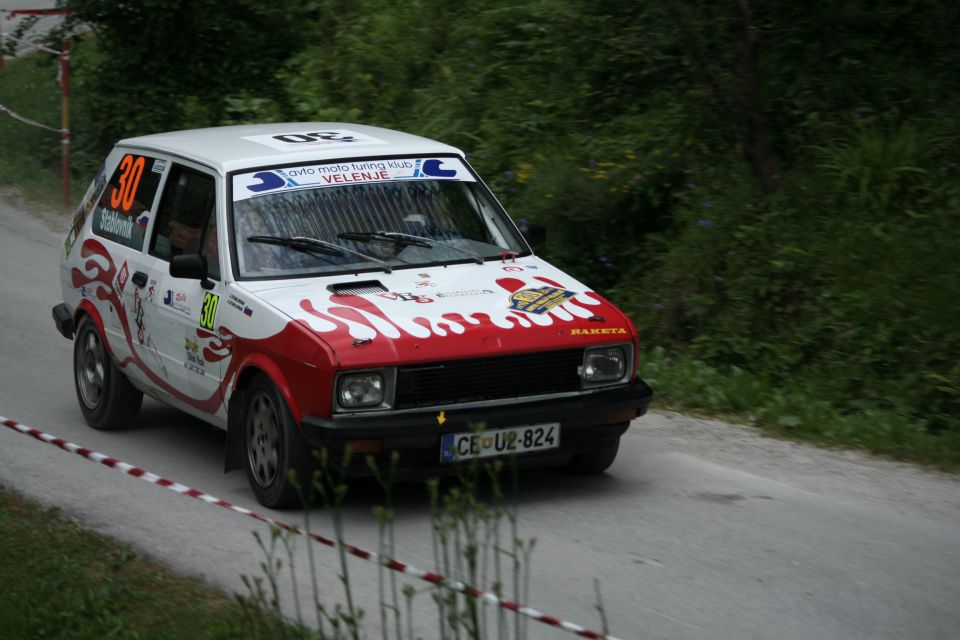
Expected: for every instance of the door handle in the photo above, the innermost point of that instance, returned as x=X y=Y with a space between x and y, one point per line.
x=140 y=279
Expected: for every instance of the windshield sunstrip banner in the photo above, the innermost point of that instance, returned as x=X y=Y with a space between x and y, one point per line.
x=256 y=183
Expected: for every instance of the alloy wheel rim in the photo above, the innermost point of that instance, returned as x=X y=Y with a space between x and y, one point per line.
x=91 y=370
x=263 y=440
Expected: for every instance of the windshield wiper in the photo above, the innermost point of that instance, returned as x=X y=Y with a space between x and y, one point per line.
x=315 y=245
x=298 y=242
x=366 y=236
x=406 y=238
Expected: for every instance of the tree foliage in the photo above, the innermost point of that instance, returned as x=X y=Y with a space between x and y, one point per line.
x=761 y=184
x=169 y=64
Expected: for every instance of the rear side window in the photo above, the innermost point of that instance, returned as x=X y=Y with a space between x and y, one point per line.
x=123 y=209
x=185 y=220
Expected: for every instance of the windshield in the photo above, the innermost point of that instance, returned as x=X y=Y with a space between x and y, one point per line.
x=374 y=214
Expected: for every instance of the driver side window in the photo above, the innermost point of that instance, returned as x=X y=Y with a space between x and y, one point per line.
x=186 y=218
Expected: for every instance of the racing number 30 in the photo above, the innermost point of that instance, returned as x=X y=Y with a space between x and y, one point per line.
x=121 y=197
x=208 y=313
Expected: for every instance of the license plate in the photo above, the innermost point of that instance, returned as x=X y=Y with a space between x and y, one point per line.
x=499 y=442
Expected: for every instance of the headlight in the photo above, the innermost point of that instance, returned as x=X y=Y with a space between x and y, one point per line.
x=361 y=390
x=602 y=365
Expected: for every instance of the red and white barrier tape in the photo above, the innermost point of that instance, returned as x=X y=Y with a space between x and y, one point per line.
x=389 y=563
x=24 y=120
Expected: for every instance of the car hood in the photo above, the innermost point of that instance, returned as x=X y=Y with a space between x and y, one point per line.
x=446 y=312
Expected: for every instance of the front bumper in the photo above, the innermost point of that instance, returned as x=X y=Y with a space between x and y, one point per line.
x=587 y=421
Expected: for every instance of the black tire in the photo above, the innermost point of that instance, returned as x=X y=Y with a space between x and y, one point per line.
x=594 y=462
x=106 y=397
x=274 y=447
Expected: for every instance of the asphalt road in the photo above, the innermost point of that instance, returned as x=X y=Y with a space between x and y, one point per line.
x=700 y=530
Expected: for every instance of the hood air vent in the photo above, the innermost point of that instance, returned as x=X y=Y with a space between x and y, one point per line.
x=364 y=288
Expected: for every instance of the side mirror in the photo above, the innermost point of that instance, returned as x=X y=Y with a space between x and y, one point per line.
x=192 y=266
x=535 y=235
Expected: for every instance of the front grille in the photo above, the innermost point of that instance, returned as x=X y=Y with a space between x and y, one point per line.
x=495 y=378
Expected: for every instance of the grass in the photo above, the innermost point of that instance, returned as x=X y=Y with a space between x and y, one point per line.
x=60 y=580
x=30 y=162
x=797 y=412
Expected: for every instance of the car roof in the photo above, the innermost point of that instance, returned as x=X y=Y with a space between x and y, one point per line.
x=230 y=149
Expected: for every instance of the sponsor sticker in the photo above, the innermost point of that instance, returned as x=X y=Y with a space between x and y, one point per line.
x=69 y=241
x=334 y=174
x=239 y=304
x=193 y=360
x=155 y=352
x=457 y=294
x=138 y=314
x=122 y=277
x=539 y=300
x=177 y=301
x=599 y=331
x=406 y=297
x=86 y=206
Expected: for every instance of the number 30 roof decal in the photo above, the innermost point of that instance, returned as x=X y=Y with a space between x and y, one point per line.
x=298 y=140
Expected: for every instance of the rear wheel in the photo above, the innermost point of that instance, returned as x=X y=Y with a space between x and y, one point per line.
x=594 y=462
x=274 y=447
x=107 y=399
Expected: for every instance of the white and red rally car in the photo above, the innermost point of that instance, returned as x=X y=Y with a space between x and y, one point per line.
x=336 y=285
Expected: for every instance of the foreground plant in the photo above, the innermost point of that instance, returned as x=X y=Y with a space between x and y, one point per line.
x=476 y=542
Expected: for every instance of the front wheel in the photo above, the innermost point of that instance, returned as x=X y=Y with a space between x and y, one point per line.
x=107 y=399
x=594 y=462
x=274 y=447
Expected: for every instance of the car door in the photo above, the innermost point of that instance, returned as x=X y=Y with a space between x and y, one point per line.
x=183 y=312
x=120 y=220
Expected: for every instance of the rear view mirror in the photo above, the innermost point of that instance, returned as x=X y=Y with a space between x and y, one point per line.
x=192 y=266
x=535 y=235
